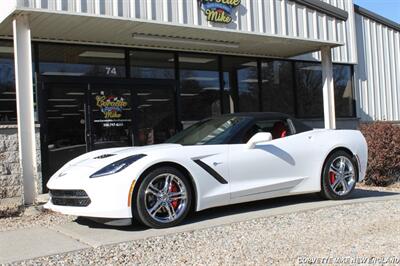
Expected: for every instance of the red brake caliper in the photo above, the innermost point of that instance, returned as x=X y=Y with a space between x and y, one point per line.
x=174 y=188
x=332 y=177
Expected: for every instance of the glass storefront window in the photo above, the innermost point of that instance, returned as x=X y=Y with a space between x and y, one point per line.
x=152 y=65
x=343 y=91
x=277 y=87
x=200 y=88
x=73 y=60
x=8 y=108
x=241 y=75
x=309 y=89
x=155 y=113
x=310 y=94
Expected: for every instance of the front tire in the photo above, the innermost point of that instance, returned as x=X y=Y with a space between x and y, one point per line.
x=164 y=198
x=339 y=176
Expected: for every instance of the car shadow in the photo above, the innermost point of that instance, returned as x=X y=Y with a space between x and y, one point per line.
x=241 y=208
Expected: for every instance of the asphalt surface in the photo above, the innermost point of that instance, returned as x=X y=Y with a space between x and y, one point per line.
x=81 y=234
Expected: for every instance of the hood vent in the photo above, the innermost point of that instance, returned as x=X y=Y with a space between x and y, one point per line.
x=103 y=156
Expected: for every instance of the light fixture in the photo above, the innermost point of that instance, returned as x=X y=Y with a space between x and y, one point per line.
x=52 y=111
x=189 y=94
x=194 y=60
x=71 y=74
x=96 y=54
x=65 y=105
x=7 y=100
x=250 y=64
x=62 y=100
x=76 y=93
x=71 y=114
x=179 y=40
x=55 y=117
x=144 y=105
x=158 y=100
x=6 y=50
x=201 y=78
x=7 y=111
x=211 y=88
x=9 y=92
x=253 y=81
x=144 y=94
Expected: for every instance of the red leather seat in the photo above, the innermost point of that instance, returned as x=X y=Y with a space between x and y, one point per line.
x=279 y=130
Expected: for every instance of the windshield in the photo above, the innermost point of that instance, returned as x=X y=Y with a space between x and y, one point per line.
x=210 y=131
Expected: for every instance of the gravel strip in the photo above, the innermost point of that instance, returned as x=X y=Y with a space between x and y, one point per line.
x=40 y=218
x=358 y=230
x=395 y=187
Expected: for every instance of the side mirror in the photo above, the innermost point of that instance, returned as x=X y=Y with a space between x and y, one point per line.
x=259 y=138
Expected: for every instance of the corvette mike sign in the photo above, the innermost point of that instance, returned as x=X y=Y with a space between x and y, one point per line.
x=219 y=11
x=111 y=106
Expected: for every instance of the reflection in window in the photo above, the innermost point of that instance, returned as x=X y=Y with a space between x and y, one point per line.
x=277 y=87
x=241 y=75
x=8 y=112
x=156 y=114
x=65 y=124
x=152 y=65
x=72 y=60
x=309 y=89
x=343 y=91
x=200 y=92
x=218 y=130
x=310 y=92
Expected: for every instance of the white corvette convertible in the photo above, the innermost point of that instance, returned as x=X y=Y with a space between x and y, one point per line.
x=219 y=161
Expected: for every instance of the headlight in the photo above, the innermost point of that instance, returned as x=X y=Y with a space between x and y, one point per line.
x=117 y=166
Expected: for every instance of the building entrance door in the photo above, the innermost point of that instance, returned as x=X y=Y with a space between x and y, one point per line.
x=78 y=116
x=64 y=125
x=110 y=115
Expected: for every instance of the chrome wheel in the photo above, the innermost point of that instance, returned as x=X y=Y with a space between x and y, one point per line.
x=166 y=198
x=342 y=176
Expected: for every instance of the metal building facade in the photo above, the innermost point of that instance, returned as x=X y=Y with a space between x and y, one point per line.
x=377 y=73
x=286 y=18
x=370 y=43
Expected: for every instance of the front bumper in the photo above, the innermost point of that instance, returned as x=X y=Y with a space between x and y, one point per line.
x=121 y=213
x=77 y=194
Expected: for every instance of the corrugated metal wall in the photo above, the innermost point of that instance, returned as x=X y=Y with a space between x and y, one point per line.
x=378 y=73
x=346 y=34
x=274 y=17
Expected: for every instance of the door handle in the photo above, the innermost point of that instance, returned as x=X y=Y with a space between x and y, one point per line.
x=216 y=163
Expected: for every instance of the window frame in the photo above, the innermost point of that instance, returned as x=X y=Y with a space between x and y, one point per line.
x=220 y=58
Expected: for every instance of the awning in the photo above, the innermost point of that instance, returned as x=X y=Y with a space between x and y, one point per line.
x=59 y=26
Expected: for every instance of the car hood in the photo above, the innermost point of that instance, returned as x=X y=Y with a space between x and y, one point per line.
x=101 y=158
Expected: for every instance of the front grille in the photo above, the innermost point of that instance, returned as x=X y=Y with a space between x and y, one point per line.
x=73 y=198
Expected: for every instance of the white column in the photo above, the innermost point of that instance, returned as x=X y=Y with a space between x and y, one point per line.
x=328 y=88
x=25 y=111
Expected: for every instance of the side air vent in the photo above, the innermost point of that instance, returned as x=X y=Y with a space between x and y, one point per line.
x=104 y=156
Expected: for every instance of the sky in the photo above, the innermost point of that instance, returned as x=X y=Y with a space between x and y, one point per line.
x=387 y=8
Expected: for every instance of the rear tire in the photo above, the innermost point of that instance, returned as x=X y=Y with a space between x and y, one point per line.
x=339 y=176
x=163 y=199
